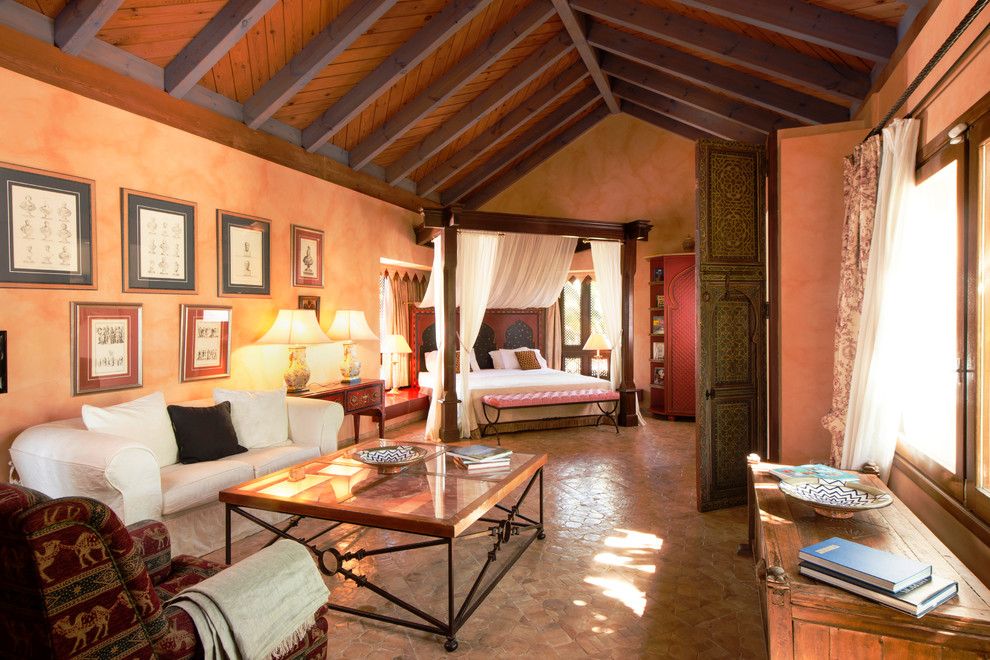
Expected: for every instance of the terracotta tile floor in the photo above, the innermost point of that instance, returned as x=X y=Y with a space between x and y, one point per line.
x=628 y=569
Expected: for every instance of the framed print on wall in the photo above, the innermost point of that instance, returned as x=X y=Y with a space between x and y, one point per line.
x=205 y=342
x=47 y=233
x=244 y=255
x=159 y=243
x=3 y=361
x=310 y=302
x=307 y=257
x=106 y=347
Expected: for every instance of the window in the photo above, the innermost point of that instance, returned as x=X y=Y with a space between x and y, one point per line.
x=581 y=316
x=978 y=455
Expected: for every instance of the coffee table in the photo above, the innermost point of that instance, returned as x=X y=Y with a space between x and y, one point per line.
x=430 y=497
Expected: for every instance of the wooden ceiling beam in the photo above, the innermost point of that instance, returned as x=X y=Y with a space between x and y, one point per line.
x=779 y=99
x=413 y=51
x=502 y=128
x=520 y=76
x=223 y=31
x=663 y=123
x=521 y=25
x=527 y=165
x=807 y=22
x=693 y=95
x=809 y=72
x=312 y=59
x=552 y=122
x=700 y=119
x=575 y=28
x=80 y=20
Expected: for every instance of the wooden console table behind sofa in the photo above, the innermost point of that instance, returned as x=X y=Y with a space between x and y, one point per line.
x=807 y=619
x=366 y=397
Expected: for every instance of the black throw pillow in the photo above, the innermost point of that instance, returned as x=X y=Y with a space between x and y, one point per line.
x=204 y=433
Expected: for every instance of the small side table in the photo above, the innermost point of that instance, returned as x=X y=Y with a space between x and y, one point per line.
x=366 y=397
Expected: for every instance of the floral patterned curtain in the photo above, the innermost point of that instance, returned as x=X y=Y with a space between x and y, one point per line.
x=860 y=180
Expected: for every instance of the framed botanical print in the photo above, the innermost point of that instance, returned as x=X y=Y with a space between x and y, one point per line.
x=106 y=347
x=3 y=361
x=159 y=243
x=205 y=342
x=244 y=255
x=47 y=233
x=307 y=256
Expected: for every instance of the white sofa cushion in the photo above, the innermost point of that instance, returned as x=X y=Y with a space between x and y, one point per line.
x=271 y=459
x=260 y=417
x=194 y=484
x=143 y=420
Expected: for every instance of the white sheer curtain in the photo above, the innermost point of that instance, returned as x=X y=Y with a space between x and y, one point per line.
x=477 y=253
x=880 y=371
x=436 y=289
x=531 y=270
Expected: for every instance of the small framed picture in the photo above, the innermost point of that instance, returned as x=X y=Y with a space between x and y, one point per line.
x=106 y=347
x=159 y=243
x=47 y=234
x=307 y=257
x=658 y=373
x=244 y=255
x=3 y=361
x=205 y=342
x=310 y=302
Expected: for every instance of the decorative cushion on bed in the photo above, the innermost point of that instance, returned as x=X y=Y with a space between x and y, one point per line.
x=261 y=417
x=143 y=420
x=497 y=359
x=527 y=360
x=204 y=433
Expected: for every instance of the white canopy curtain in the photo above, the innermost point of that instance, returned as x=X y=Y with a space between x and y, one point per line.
x=434 y=295
x=531 y=270
x=880 y=370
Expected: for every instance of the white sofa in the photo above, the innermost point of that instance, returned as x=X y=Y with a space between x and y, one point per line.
x=65 y=458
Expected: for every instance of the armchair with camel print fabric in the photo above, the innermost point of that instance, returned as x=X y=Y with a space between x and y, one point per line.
x=75 y=582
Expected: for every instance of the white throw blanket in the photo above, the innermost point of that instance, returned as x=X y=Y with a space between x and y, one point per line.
x=259 y=607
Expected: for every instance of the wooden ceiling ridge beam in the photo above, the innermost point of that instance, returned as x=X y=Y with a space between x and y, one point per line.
x=774 y=97
x=694 y=95
x=807 y=22
x=700 y=119
x=212 y=42
x=527 y=165
x=413 y=51
x=663 y=123
x=538 y=132
x=501 y=129
x=809 y=72
x=488 y=52
x=520 y=76
x=314 y=57
x=80 y=21
x=574 y=27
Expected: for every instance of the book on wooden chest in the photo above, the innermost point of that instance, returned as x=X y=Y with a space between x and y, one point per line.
x=876 y=567
x=916 y=600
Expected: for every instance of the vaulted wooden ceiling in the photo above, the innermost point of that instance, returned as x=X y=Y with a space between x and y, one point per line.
x=450 y=101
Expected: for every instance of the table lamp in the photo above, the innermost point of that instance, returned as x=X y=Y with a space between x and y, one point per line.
x=349 y=326
x=295 y=327
x=395 y=345
x=598 y=342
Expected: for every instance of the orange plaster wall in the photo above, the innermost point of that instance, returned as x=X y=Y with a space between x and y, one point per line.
x=622 y=169
x=52 y=129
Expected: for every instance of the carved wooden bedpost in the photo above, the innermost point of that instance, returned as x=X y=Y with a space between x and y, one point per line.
x=634 y=231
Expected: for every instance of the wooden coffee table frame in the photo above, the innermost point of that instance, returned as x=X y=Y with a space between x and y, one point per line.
x=501 y=530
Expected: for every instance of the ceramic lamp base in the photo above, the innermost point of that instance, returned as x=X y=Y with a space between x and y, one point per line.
x=350 y=366
x=296 y=376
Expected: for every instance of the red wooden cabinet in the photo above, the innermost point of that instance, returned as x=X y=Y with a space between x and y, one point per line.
x=673 y=317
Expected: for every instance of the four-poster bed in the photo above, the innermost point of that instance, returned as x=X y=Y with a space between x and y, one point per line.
x=445 y=223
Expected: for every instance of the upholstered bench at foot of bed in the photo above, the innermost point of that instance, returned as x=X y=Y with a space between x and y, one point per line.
x=498 y=402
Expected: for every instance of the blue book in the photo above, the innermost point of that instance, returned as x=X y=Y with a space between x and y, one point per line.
x=812 y=470
x=916 y=600
x=876 y=567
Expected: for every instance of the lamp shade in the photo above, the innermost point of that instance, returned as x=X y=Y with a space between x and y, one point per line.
x=597 y=342
x=350 y=325
x=295 y=327
x=395 y=344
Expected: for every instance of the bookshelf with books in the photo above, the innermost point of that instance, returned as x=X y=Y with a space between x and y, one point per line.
x=672 y=336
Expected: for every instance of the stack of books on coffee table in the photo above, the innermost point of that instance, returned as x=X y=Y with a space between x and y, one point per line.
x=480 y=457
x=904 y=584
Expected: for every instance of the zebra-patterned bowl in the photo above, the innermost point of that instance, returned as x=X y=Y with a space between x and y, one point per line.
x=390 y=456
x=833 y=498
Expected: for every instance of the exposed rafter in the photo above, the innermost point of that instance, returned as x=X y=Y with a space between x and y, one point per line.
x=664 y=123
x=80 y=20
x=407 y=56
x=574 y=27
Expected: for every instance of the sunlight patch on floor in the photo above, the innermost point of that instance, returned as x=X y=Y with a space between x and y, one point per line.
x=622 y=591
x=633 y=550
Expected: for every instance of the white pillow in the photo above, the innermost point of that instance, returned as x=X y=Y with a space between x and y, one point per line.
x=509 y=357
x=143 y=420
x=497 y=359
x=260 y=417
x=430 y=361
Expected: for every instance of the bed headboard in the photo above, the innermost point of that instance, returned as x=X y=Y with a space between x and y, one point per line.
x=501 y=328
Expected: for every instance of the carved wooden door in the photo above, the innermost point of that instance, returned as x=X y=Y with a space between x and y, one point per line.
x=731 y=219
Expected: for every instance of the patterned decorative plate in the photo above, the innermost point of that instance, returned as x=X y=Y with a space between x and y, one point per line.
x=390 y=456
x=833 y=498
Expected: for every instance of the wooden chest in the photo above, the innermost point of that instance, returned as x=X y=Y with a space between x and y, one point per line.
x=807 y=619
